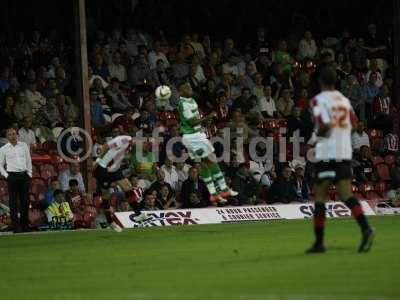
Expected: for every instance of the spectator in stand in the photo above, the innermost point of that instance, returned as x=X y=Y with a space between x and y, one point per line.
x=68 y=110
x=266 y=104
x=294 y=122
x=258 y=89
x=194 y=193
x=165 y=198
x=351 y=88
x=307 y=47
x=374 y=44
x=73 y=172
x=282 y=56
x=183 y=173
x=170 y=174
x=285 y=103
x=93 y=78
x=160 y=181
x=35 y=98
x=119 y=102
x=157 y=54
x=300 y=183
x=48 y=197
x=59 y=208
x=135 y=196
x=283 y=190
x=180 y=69
x=51 y=90
x=198 y=47
x=7 y=116
x=100 y=68
x=391 y=142
x=374 y=69
x=149 y=202
x=369 y=92
x=144 y=165
x=26 y=134
x=303 y=99
x=139 y=72
x=74 y=197
x=96 y=110
x=246 y=186
x=382 y=104
x=261 y=169
x=364 y=170
x=117 y=70
x=160 y=75
x=51 y=114
x=359 y=137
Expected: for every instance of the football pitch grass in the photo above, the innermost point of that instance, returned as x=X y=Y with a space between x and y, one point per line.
x=230 y=261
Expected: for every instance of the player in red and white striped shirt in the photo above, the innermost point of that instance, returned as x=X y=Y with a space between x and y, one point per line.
x=334 y=118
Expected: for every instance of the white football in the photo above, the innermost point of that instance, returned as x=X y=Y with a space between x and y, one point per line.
x=163 y=92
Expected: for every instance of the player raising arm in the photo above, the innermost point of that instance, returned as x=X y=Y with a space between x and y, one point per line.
x=199 y=147
x=334 y=118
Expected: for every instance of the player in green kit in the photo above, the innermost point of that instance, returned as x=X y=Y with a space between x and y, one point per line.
x=199 y=147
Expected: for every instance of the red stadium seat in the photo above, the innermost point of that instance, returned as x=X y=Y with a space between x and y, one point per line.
x=390 y=159
x=366 y=187
x=372 y=195
x=381 y=188
x=376 y=160
x=377 y=144
x=383 y=172
x=35 y=171
x=359 y=195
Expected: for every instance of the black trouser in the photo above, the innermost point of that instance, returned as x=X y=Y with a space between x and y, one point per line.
x=18 y=189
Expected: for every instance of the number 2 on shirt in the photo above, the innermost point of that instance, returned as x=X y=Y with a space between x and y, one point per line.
x=339 y=116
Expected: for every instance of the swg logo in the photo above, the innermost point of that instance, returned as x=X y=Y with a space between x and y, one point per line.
x=335 y=210
x=165 y=219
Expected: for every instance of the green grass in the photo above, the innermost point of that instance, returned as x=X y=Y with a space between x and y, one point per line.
x=230 y=261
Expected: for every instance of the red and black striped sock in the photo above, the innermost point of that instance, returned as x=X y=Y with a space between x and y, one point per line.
x=357 y=212
x=319 y=222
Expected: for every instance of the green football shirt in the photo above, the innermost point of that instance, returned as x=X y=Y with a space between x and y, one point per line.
x=188 y=109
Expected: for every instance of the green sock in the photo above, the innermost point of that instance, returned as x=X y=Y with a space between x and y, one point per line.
x=205 y=175
x=218 y=177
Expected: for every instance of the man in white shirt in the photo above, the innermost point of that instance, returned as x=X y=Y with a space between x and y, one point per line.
x=266 y=104
x=74 y=172
x=35 y=98
x=157 y=54
x=359 y=137
x=307 y=47
x=25 y=133
x=18 y=172
x=117 y=69
x=171 y=175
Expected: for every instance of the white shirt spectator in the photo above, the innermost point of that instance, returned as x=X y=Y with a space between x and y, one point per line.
x=17 y=159
x=307 y=49
x=235 y=70
x=198 y=49
x=379 y=78
x=359 y=140
x=64 y=178
x=153 y=57
x=259 y=172
x=118 y=71
x=36 y=99
x=104 y=83
x=171 y=176
x=201 y=78
x=267 y=106
x=27 y=136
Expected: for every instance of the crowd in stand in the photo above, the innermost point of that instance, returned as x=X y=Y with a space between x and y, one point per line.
x=258 y=87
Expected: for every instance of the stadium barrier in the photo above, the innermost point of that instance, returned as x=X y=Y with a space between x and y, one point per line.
x=217 y=215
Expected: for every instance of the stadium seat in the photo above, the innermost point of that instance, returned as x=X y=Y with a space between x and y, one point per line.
x=35 y=171
x=381 y=188
x=376 y=160
x=390 y=160
x=47 y=171
x=366 y=187
x=372 y=195
x=383 y=172
x=35 y=217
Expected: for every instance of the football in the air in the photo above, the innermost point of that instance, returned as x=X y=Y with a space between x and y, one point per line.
x=163 y=92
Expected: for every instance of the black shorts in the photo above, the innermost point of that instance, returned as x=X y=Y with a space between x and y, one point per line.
x=105 y=178
x=333 y=170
